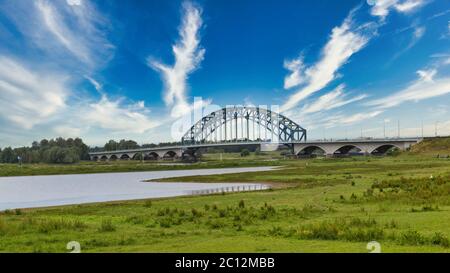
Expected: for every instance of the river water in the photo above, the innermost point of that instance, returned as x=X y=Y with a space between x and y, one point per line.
x=55 y=190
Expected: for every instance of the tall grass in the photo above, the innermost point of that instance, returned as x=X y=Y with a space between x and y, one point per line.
x=107 y=226
x=50 y=225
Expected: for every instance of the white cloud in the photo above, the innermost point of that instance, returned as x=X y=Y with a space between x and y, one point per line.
x=409 y=5
x=71 y=33
x=296 y=77
x=427 y=86
x=52 y=21
x=334 y=99
x=67 y=131
x=339 y=120
x=427 y=75
x=188 y=55
x=417 y=34
x=98 y=86
x=27 y=97
x=381 y=8
x=77 y=29
x=74 y=2
x=345 y=40
x=117 y=116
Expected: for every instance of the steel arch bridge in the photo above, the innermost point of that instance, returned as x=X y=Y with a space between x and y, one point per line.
x=243 y=123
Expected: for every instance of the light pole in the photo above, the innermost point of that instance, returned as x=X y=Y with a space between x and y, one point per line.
x=436 y=129
x=422 y=128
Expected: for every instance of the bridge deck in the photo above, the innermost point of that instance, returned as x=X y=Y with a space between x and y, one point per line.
x=206 y=145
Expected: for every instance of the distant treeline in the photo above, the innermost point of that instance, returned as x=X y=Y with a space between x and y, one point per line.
x=123 y=144
x=58 y=150
x=70 y=150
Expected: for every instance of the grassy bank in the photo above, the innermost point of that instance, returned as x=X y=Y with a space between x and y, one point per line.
x=334 y=205
x=128 y=166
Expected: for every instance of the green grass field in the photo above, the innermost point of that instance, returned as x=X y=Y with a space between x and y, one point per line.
x=209 y=161
x=317 y=205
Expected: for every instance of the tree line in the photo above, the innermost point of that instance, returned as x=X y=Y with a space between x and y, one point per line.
x=58 y=150
x=70 y=150
x=123 y=144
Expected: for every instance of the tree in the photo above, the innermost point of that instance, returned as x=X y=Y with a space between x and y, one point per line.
x=8 y=155
x=111 y=145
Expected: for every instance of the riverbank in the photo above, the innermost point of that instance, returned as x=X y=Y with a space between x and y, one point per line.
x=124 y=166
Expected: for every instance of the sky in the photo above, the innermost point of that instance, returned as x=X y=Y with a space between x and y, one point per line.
x=104 y=70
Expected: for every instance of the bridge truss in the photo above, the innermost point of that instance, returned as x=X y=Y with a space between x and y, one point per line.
x=242 y=123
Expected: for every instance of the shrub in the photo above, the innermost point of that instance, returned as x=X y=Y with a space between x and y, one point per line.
x=3 y=227
x=276 y=231
x=215 y=224
x=439 y=239
x=222 y=213
x=245 y=152
x=393 y=152
x=135 y=219
x=165 y=223
x=241 y=204
x=107 y=226
x=196 y=213
x=411 y=237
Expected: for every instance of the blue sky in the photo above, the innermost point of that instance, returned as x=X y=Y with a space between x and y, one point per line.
x=131 y=69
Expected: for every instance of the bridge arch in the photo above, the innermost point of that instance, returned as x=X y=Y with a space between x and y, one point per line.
x=170 y=154
x=312 y=150
x=347 y=149
x=113 y=157
x=151 y=156
x=383 y=149
x=125 y=157
x=243 y=123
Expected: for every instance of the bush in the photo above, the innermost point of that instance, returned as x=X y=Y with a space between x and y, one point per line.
x=245 y=152
x=411 y=237
x=439 y=239
x=107 y=226
x=148 y=204
x=393 y=152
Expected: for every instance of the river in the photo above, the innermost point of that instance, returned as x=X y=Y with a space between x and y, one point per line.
x=55 y=190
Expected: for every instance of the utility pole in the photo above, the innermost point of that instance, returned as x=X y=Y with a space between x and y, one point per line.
x=435 y=129
x=384 y=128
x=422 y=128
x=398 y=129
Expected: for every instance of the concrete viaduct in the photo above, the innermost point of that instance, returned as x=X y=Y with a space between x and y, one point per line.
x=300 y=149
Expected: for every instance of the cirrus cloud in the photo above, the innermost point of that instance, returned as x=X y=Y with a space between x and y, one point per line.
x=188 y=56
